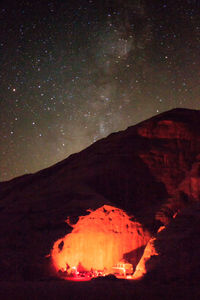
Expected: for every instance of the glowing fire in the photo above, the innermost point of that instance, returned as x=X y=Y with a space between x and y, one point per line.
x=98 y=241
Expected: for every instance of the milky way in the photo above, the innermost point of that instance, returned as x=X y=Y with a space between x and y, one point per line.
x=74 y=71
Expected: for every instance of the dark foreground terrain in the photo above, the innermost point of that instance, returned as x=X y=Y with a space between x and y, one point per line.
x=120 y=289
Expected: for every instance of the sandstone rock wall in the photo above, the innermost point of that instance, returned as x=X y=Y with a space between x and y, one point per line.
x=99 y=240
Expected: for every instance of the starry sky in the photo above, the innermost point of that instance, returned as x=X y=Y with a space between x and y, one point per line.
x=71 y=72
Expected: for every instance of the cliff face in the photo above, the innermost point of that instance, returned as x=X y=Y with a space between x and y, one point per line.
x=150 y=170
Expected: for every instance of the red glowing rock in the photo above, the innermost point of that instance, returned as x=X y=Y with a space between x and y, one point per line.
x=149 y=253
x=99 y=240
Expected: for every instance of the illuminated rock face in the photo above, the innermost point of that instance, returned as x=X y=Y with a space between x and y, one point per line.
x=190 y=186
x=99 y=240
x=150 y=251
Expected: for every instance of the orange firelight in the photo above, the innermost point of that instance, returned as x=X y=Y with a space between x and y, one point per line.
x=98 y=241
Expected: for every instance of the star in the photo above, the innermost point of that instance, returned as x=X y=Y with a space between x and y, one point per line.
x=73 y=72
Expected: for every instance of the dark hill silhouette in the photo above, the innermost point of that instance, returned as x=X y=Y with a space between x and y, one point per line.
x=151 y=170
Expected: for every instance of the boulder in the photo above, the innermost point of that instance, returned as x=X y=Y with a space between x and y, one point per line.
x=100 y=240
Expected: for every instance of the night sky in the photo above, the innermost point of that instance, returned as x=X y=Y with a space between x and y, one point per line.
x=71 y=72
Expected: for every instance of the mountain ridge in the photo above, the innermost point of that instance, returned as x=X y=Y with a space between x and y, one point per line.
x=150 y=170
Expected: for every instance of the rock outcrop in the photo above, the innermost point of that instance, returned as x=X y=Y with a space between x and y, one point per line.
x=100 y=240
x=178 y=249
x=150 y=170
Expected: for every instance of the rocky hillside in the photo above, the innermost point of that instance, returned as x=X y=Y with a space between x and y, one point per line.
x=150 y=170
